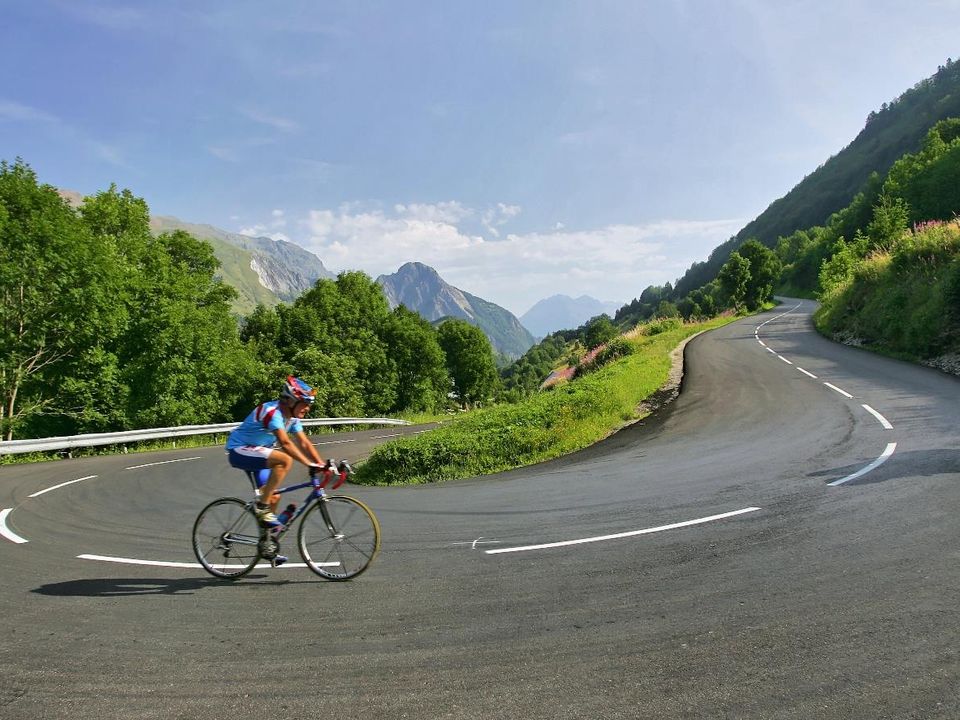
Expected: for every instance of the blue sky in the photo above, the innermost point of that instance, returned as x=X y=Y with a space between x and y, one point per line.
x=522 y=148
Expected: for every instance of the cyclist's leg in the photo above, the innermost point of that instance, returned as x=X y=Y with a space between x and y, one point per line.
x=279 y=464
x=255 y=458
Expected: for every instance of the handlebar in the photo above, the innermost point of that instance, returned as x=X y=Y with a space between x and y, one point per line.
x=332 y=471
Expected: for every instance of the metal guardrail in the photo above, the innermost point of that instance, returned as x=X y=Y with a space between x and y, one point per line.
x=14 y=447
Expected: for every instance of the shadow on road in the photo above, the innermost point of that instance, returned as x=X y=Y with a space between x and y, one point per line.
x=915 y=463
x=120 y=587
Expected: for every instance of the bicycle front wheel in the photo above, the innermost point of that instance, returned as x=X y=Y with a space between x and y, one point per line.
x=226 y=538
x=339 y=537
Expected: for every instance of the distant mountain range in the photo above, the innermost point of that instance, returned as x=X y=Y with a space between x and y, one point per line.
x=562 y=312
x=262 y=270
x=420 y=288
x=269 y=271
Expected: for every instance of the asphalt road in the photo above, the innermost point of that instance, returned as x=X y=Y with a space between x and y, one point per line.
x=763 y=547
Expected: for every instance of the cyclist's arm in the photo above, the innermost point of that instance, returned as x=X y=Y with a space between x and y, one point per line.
x=306 y=453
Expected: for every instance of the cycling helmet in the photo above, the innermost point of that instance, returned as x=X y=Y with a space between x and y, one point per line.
x=298 y=391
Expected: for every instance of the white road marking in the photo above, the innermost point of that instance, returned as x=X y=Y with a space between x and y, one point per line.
x=473 y=545
x=380 y=437
x=165 y=462
x=163 y=563
x=784 y=359
x=883 y=421
x=333 y=442
x=770 y=350
x=617 y=536
x=872 y=466
x=762 y=342
x=809 y=374
x=7 y=532
x=64 y=484
x=842 y=392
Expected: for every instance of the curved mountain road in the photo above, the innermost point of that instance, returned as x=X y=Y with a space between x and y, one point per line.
x=779 y=542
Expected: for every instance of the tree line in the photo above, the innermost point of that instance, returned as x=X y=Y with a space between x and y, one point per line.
x=106 y=327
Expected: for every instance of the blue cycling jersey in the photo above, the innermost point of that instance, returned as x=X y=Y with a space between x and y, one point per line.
x=260 y=427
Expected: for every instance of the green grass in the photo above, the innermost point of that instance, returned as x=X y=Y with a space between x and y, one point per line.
x=901 y=302
x=570 y=417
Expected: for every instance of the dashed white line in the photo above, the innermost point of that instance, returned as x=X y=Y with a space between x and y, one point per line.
x=883 y=421
x=784 y=359
x=617 y=536
x=64 y=484
x=842 y=392
x=809 y=374
x=7 y=532
x=872 y=466
x=164 y=462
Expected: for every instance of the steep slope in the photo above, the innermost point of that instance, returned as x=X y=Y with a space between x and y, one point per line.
x=261 y=269
x=898 y=128
x=420 y=288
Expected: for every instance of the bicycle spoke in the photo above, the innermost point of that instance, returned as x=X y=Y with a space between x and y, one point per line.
x=225 y=538
x=339 y=538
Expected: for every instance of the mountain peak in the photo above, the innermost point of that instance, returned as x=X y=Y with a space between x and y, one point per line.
x=420 y=288
x=562 y=312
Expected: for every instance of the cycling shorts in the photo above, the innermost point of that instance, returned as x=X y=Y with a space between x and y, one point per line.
x=249 y=457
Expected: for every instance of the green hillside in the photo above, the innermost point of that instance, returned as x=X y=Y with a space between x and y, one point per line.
x=236 y=272
x=895 y=129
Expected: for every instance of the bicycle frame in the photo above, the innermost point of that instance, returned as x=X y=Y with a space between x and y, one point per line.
x=317 y=494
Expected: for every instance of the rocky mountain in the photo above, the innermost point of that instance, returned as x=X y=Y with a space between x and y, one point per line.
x=420 y=288
x=562 y=312
x=261 y=269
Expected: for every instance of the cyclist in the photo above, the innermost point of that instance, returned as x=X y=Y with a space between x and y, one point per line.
x=265 y=440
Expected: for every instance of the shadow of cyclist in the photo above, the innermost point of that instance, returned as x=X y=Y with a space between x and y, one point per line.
x=121 y=587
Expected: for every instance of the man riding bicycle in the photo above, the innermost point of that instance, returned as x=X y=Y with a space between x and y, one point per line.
x=264 y=440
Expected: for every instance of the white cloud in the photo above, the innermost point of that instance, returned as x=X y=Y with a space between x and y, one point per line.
x=615 y=262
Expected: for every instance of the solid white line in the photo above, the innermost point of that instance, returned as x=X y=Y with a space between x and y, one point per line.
x=617 y=536
x=56 y=487
x=872 y=466
x=771 y=351
x=784 y=359
x=762 y=342
x=810 y=374
x=159 y=563
x=7 y=532
x=842 y=392
x=165 y=462
x=883 y=421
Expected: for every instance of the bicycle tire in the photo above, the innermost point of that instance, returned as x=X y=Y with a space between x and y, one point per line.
x=226 y=538
x=339 y=537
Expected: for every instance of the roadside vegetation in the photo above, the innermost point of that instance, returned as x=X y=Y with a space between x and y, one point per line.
x=571 y=416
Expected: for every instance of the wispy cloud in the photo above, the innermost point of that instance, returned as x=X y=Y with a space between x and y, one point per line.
x=614 y=262
x=273 y=121
x=14 y=112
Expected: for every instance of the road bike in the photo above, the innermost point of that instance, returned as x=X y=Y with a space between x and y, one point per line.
x=338 y=536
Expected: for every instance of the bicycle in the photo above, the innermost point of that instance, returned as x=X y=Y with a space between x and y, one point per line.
x=338 y=537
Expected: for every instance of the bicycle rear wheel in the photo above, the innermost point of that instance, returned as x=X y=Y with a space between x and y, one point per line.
x=339 y=537
x=226 y=538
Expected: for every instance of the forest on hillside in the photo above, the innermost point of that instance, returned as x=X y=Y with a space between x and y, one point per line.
x=106 y=327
